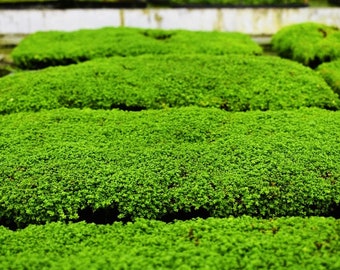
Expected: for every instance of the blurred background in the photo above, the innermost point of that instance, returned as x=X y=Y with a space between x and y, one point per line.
x=258 y=18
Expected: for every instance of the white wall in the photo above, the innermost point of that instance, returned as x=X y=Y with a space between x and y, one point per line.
x=251 y=21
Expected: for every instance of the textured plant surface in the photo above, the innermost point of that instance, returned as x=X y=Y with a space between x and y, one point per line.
x=232 y=83
x=62 y=162
x=68 y=164
x=331 y=73
x=230 y=243
x=308 y=43
x=73 y=47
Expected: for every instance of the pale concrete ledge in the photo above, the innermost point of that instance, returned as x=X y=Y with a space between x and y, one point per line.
x=259 y=21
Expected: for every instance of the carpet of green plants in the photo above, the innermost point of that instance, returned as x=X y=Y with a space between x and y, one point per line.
x=156 y=82
x=195 y=150
x=229 y=243
x=157 y=163
x=331 y=73
x=308 y=43
x=73 y=47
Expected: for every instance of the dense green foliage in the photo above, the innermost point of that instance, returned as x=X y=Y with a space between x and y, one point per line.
x=331 y=73
x=156 y=163
x=308 y=43
x=72 y=47
x=231 y=243
x=233 y=83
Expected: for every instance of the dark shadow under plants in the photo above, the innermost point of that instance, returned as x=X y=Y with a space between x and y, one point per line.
x=124 y=107
x=334 y=211
x=186 y=215
x=104 y=215
x=109 y=215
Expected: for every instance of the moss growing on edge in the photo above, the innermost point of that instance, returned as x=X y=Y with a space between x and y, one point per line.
x=230 y=243
x=331 y=73
x=308 y=43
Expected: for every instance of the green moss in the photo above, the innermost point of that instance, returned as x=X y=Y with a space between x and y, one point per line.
x=62 y=48
x=308 y=43
x=233 y=83
x=331 y=73
x=66 y=164
x=231 y=243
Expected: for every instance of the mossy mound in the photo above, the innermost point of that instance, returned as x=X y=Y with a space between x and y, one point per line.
x=308 y=43
x=72 y=47
x=232 y=83
x=331 y=73
x=230 y=243
x=76 y=164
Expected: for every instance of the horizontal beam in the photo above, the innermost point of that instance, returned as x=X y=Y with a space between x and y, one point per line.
x=255 y=21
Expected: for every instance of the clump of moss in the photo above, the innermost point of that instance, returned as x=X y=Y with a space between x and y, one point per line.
x=52 y=48
x=308 y=43
x=67 y=164
x=331 y=73
x=232 y=83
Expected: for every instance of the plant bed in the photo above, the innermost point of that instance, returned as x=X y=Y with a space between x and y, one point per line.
x=103 y=166
x=331 y=73
x=62 y=48
x=231 y=243
x=232 y=83
x=308 y=43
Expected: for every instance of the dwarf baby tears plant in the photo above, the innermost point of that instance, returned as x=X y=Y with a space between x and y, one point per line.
x=331 y=73
x=228 y=243
x=308 y=43
x=63 y=48
x=165 y=164
x=232 y=83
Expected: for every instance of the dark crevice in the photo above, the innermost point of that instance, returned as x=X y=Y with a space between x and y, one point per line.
x=110 y=215
x=334 y=211
x=45 y=63
x=323 y=32
x=10 y=224
x=186 y=215
x=157 y=35
x=4 y=72
x=107 y=215
x=125 y=107
x=314 y=63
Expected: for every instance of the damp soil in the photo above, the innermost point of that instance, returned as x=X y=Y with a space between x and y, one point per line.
x=7 y=44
